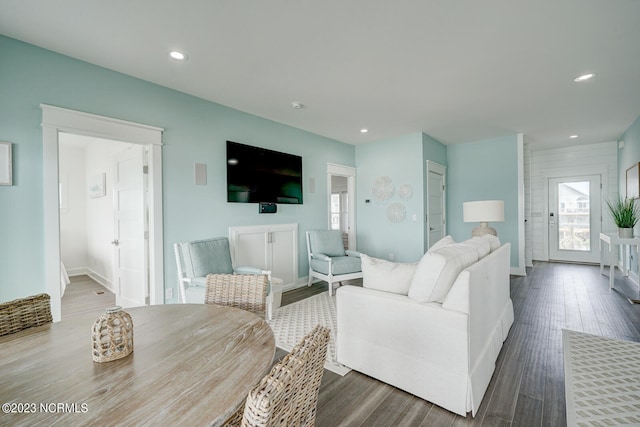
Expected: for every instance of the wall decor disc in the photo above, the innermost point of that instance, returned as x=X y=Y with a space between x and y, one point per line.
x=396 y=212
x=405 y=191
x=383 y=188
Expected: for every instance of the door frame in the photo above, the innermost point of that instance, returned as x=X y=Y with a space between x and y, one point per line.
x=56 y=120
x=566 y=173
x=439 y=169
x=350 y=173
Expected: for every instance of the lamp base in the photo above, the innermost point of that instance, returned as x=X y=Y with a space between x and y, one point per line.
x=483 y=229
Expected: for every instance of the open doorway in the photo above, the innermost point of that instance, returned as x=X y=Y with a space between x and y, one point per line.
x=103 y=225
x=56 y=121
x=341 y=184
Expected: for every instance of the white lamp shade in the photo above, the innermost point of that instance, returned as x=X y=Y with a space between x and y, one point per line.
x=483 y=211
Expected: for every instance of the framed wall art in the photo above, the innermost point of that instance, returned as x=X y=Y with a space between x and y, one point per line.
x=6 y=173
x=633 y=181
x=97 y=186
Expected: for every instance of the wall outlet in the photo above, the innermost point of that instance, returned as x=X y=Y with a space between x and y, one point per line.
x=391 y=256
x=168 y=294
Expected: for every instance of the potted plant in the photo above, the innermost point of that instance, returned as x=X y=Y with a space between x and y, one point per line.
x=625 y=214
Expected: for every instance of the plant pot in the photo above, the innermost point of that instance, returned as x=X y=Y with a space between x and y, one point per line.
x=625 y=233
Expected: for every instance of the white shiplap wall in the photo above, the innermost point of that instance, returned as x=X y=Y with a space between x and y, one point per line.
x=589 y=159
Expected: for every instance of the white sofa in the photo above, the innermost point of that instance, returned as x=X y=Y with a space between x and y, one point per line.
x=433 y=328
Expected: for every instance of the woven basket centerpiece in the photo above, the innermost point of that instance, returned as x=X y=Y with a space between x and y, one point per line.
x=112 y=335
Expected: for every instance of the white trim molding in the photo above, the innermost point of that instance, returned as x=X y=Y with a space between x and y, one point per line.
x=521 y=270
x=350 y=173
x=56 y=120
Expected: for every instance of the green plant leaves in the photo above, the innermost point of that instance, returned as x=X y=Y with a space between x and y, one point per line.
x=625 y=212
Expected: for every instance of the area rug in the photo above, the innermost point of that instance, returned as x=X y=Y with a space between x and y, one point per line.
x=602 y=380
x=292 y=322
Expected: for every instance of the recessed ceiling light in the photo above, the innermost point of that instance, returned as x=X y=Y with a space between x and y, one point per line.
x=584 y=77
x=364 y=130
x=178 y=56
x=573 y=136
x=296 y=105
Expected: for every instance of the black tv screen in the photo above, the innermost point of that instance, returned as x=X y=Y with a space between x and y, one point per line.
x=257 y=175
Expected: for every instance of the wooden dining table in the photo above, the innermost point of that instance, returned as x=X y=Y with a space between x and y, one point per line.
x=192 y=364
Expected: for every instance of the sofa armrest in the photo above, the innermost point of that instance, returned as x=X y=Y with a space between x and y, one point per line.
x=352 y=253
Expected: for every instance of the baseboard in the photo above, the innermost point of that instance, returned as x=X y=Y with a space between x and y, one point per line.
x=106 y=283
x=302 y=282
x=82 y=271
x=518 y=271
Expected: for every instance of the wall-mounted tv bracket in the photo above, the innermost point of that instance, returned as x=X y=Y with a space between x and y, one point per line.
x=267 y=208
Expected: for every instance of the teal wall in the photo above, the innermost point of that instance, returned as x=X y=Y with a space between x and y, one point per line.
x=433 y=150
x=484 y=170
x=401 y=159
x=195 y=131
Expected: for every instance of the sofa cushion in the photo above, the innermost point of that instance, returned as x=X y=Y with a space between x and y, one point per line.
x=494 y=241
x=340 y=264
x=445 y=241
x=437 y=270
x=387 y=276
x=480 y=244
x=328 y=242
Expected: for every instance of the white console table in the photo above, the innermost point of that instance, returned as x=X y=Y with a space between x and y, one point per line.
x=611 y=256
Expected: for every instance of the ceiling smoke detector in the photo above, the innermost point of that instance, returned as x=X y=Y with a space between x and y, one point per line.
x=296 y=105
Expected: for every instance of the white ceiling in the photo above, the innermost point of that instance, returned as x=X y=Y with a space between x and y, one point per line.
x=458 y=70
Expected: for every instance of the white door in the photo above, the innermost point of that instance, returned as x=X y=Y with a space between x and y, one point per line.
x=130 y=243
x=436 y=224
x=575 y=218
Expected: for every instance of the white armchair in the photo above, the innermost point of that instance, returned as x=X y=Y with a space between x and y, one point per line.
x=197 y=259
x=328 y=260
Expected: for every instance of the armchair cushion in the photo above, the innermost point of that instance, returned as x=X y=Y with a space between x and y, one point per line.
x=321 y=257
x=248 y=270
x=328 y=242
x=202 y=257
x=352 y=253
x=387 y=276
x=340 y=265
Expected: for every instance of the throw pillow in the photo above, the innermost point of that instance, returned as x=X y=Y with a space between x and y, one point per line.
x=481 y=245
x=445 y=241
x=494 y=241
x=387 y=276
x=437 y=271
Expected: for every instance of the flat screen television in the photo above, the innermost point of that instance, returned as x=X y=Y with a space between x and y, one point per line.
x=258 y=175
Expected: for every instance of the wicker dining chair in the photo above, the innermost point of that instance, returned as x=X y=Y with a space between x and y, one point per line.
x=288 y=395
x=25 y=313
x=245 y=291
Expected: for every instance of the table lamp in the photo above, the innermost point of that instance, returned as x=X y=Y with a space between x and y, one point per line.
x=483 y=211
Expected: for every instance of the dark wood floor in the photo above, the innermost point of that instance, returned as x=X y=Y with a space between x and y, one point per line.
x=527 y=388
